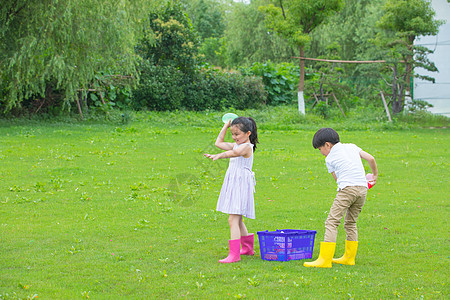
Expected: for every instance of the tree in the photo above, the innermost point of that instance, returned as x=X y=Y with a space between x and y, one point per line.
x=247 y=39
x=353 y=29
x=207 y=19
x=403 y=21
x=170 y=39
x=169 y=52
x=295 y=20
x=62 y=45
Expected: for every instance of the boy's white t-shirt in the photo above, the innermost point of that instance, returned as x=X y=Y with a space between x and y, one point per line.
x=344 y=160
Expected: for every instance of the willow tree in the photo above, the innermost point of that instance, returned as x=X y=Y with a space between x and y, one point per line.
x=295 y=20
x=62 y=45
x=247 y=40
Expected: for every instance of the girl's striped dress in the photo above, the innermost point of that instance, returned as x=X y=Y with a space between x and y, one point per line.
x=236 y=195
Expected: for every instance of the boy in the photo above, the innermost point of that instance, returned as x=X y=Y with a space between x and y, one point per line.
x=343 y=161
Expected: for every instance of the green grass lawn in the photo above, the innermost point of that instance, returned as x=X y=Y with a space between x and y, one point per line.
x=107 y=211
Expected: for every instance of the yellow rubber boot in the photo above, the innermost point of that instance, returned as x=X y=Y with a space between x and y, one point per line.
x=350 y=253
x=325 y=256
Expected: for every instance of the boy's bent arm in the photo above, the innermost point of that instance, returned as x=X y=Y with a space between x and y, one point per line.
x=372 y=163
x=334 y=176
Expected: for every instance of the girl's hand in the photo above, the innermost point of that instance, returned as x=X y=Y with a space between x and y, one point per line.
x=212 y=156
x=220 y=141
x=227 y=125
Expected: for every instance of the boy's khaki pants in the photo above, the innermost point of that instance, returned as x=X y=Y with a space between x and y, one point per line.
x=349 y=202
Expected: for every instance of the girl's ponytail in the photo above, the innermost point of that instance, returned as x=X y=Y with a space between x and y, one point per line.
x=254 y=136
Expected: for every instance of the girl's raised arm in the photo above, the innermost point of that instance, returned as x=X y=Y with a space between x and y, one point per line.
x=220 y=141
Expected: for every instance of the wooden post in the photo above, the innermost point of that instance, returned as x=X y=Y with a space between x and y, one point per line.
x=317 y=100
x=337 y=102
x=43 y=101
x=103 y=100
x=386 y=106
x=79 y=108
x=346 y=61
x=101 y=97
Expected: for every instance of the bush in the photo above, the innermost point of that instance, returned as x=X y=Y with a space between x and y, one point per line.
x=160 y=88
x=417 y=105
x=166 y=88
x=279 y=81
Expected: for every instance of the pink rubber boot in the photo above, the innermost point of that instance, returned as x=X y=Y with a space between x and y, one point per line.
x=234 y=255
x=247 y=244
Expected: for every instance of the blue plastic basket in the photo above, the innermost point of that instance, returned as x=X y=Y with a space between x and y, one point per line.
x=286 y=244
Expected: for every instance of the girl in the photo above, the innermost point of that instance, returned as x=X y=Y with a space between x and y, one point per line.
x=236 y=195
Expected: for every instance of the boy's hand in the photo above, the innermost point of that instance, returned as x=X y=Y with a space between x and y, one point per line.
x=374 y=180
x=373 y=166
x=371 y=180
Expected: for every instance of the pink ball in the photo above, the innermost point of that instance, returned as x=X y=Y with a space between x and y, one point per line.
x=369 y=178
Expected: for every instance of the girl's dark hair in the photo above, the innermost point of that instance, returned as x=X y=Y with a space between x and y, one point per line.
x=324 y=135
x=247 y=124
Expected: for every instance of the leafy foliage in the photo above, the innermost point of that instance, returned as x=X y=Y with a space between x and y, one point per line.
x=328 y=82
x=207 y=18
x=410 y=18
x=217 y=89
x=403 y=21
x=170 y=39
x=171 y=78
x=279 y=81
x=67 y=50
x=371 y=30
x=248 y=40
x=213 y=51
x=61 y=46
x=353 y=28
x=328 y=75
x=295 y=20
x=418 y=106
x=159 y=87
x=166 y=88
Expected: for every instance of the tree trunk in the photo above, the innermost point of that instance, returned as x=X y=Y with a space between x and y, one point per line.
x=400 y=97
x=396 y=97
x=301 y=83
x=409 y=70
x=396 y=107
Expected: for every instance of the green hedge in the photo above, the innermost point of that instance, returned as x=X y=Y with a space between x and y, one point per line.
x=167 y=88
x=159 y=88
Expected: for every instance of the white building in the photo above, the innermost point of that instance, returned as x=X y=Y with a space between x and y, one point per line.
x=437 y=94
